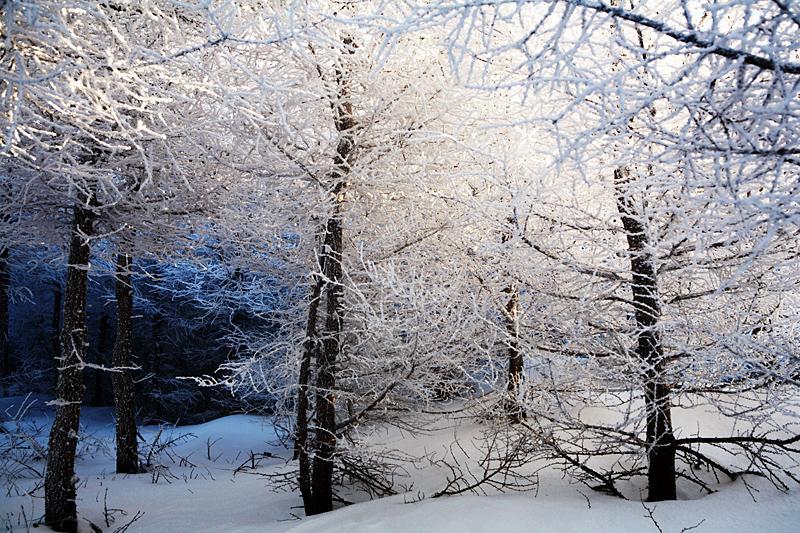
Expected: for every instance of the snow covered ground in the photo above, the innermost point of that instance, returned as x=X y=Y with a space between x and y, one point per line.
x=198 y=488
x=561 y=508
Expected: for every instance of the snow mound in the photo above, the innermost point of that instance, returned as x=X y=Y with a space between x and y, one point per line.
x=567 y=510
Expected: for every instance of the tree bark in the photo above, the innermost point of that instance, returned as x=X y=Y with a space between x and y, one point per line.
x=122 y=378
x=649 y=349
x=60 y=479
x=325 y=433
x=514 y=409
x=5 y=345
x=98 y=388
x=310 y=349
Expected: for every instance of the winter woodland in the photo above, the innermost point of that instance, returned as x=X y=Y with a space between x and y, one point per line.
x=262 y=260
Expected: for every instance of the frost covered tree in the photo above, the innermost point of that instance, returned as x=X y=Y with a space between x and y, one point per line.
x=725 y=111
x=691 y=109
x=96 y=146
x=351 y=183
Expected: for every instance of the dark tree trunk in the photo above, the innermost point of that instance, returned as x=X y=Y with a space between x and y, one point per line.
x=649 y=349
x=154 y=362
x=60 y=479
x=157 y=330
x=5 y=345
x=127 y=447
x=310 y=350
x=98 y=388
x=56 y=325
x=514 y=409
x=320 y=489
x=325 y=434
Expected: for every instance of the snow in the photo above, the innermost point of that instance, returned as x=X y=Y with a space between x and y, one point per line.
x=207 y=493
x=563 y=510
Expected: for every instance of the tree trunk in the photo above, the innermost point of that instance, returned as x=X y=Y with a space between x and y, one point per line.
x=127 y=447
x=5 y=345
x=324 y=443
x=514 y=409
x=310 y=351
x=60 y=479
x=56 y=325
x=157 y=329
x=325 y=433
x=649 y=349
x=154 y=363
x=98 y=389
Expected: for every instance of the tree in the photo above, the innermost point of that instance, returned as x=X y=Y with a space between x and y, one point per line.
x=351 y=153
x=60 y=490
x=702 y=188
x=92 y=152
x=126 y=437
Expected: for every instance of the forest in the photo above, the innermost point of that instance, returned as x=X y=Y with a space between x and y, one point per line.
x=400 y=265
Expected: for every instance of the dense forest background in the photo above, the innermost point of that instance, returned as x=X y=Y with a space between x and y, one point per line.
x=172 y=335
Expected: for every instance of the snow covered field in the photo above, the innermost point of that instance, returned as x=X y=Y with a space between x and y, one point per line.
x=198 y=488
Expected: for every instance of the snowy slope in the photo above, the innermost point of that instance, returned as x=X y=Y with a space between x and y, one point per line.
x=202 y=494
x=565 y=510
